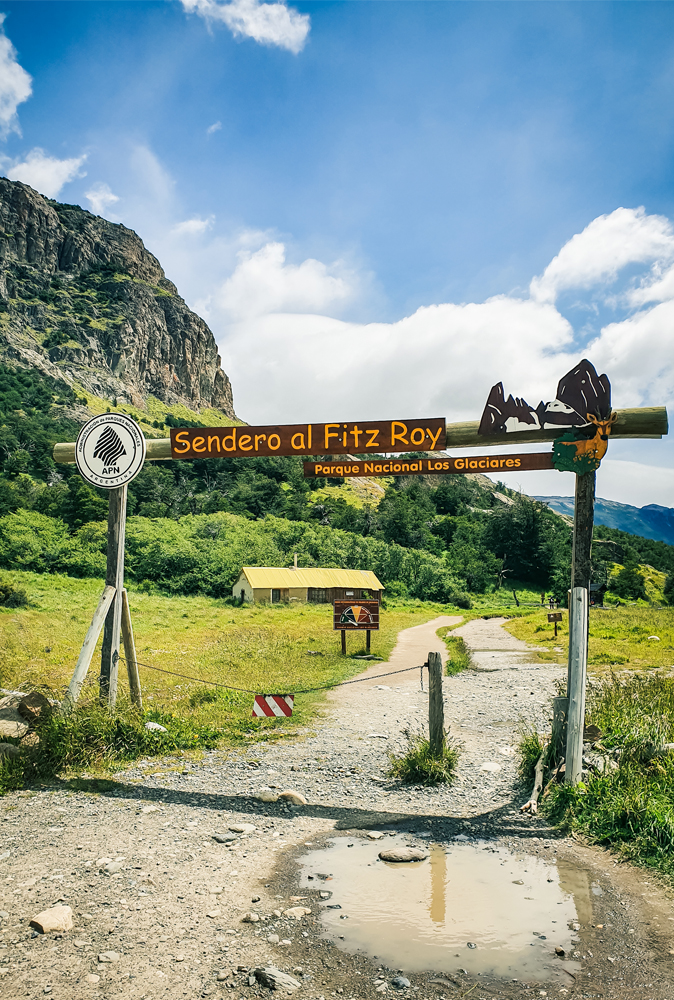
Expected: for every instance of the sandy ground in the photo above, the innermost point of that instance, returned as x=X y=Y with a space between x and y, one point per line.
x=165 y=918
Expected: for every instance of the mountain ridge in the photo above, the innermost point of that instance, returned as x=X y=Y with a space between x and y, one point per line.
x=651 y=521
x=85 y=302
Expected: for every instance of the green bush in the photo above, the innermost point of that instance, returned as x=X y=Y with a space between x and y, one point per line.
x=629 y=584
x=459 y=657
x=11 y=596
x=420 y=766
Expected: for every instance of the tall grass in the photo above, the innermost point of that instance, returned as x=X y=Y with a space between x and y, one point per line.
x=420 y=766
x=629 y=808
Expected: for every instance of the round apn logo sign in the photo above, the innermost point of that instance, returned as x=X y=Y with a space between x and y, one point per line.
x=110 y=450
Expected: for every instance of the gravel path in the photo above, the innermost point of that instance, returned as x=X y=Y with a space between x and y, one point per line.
x=158 y=901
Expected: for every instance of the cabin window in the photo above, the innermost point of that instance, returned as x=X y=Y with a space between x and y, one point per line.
x=275 y=596
x=318 y=595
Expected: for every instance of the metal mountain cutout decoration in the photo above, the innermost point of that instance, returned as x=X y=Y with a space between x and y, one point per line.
x=581 y=394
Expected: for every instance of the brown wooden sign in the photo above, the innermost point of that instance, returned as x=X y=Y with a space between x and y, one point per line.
x=310 y=439
x=349 y=615
x=429 y=466
x=556 y=616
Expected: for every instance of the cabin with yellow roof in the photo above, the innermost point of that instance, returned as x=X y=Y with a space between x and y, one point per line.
x=315 y=585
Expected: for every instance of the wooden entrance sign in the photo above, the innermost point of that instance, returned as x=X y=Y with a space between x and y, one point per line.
x=441 y=465
x=339 y=438
x=350 y=616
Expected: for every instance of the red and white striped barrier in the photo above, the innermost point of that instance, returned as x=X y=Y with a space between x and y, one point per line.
x=270 y=705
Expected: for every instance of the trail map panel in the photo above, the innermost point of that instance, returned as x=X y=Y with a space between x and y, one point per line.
x=444 y=466
x=350 y=615
x=341 y=438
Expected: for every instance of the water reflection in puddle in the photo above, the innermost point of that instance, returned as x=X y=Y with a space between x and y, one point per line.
x=425 y=916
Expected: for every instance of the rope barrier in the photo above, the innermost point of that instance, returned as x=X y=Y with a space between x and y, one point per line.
x=230 y=687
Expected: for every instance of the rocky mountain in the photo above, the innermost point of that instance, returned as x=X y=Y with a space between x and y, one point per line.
x=84 y=301
x=651 y=521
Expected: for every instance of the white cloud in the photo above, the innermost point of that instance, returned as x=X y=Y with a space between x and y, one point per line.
x=263 y=283
x=100 y=197
x=266 y=23
x=46 y=174
x=608 y=244
x=215 y=127
x=193 y=227
x=15 y=84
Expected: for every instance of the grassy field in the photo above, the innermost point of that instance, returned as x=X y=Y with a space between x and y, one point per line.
x=261 y=648
x=619 y=637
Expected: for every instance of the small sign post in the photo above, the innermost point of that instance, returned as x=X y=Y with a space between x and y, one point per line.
x=555 y=616
x=349 y=616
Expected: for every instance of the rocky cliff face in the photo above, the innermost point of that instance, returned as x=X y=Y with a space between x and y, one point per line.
x=83 y=300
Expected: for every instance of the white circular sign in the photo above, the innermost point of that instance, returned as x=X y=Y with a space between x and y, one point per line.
x=110 y=450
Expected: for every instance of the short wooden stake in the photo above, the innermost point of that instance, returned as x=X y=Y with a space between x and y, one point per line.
x=367 y=641
x=130 y=654
x=114 y=578
x=578 y=623
x=560 y=711
x=436 y=712
x=87 y=651
x=343 y=642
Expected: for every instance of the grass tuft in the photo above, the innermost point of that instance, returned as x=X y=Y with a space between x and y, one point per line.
x=459 y=657
x=530 y=748
x=419 y=766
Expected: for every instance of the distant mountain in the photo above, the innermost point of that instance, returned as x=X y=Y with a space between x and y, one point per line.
x=651 y=521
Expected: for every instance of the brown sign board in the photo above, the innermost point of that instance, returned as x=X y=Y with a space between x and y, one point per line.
x=556 y=616
x=423 y=466
x=350 y=615
x=342 y=437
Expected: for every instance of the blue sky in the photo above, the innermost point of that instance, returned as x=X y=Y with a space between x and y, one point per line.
x=357 y=196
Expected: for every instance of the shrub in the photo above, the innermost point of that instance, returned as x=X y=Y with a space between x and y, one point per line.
x=459 y=657
x=629 y=584
x=420 y=766
x=11 y=596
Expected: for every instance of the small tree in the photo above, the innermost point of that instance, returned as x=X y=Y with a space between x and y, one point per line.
x=669 y=588
x=629 y=584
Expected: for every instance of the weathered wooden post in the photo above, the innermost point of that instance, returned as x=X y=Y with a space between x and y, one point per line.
x=436 y=712
x=578 y=627
x=130 y=653
x=114 y=578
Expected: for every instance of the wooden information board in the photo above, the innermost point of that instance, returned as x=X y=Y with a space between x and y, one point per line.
x=349 y=615
x=423 y=466
x=340 y=438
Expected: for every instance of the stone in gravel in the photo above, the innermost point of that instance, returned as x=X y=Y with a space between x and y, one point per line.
x=108 y=956
x=222 y=977
x=150 y=809
x=155 y=727
x=33 y=707
x=273 y=938
x=295 y=798
x=471 y=945
x=224 y=838
x=213 y=914
x=489 y=766
x=180 y=958
x=375 y=835
x=274 y=979
x=250 y=918
x=518 y=881
x=242 y=828
x=267 y=796
x=325 y=895
x=58 y=918
x=11 y=723
x=93 y=978
x=559 y=950
x=403 y=854
x=255 y=899
x=8 y=751
x=400 y=983
x=297 y=912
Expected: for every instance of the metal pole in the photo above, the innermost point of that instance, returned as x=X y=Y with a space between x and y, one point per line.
x=436 y=714
x=114 y=578
x=578 y=620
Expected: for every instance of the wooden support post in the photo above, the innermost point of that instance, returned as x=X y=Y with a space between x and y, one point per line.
x=560 y=711
x=114 y=578
x=130 y=654
x=87 y=651
x=436 y=713
x=578 y=622
x=367 y=641
x=343 y=642
x=583 y=524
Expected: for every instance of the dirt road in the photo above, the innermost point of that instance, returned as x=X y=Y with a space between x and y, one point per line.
x=159 y=877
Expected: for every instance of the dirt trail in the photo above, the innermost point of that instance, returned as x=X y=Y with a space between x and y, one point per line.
x=168 y=922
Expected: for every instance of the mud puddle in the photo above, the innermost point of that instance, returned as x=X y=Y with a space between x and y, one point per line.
x=472 y=907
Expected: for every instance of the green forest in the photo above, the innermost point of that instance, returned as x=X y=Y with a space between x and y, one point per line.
x=192 y=525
